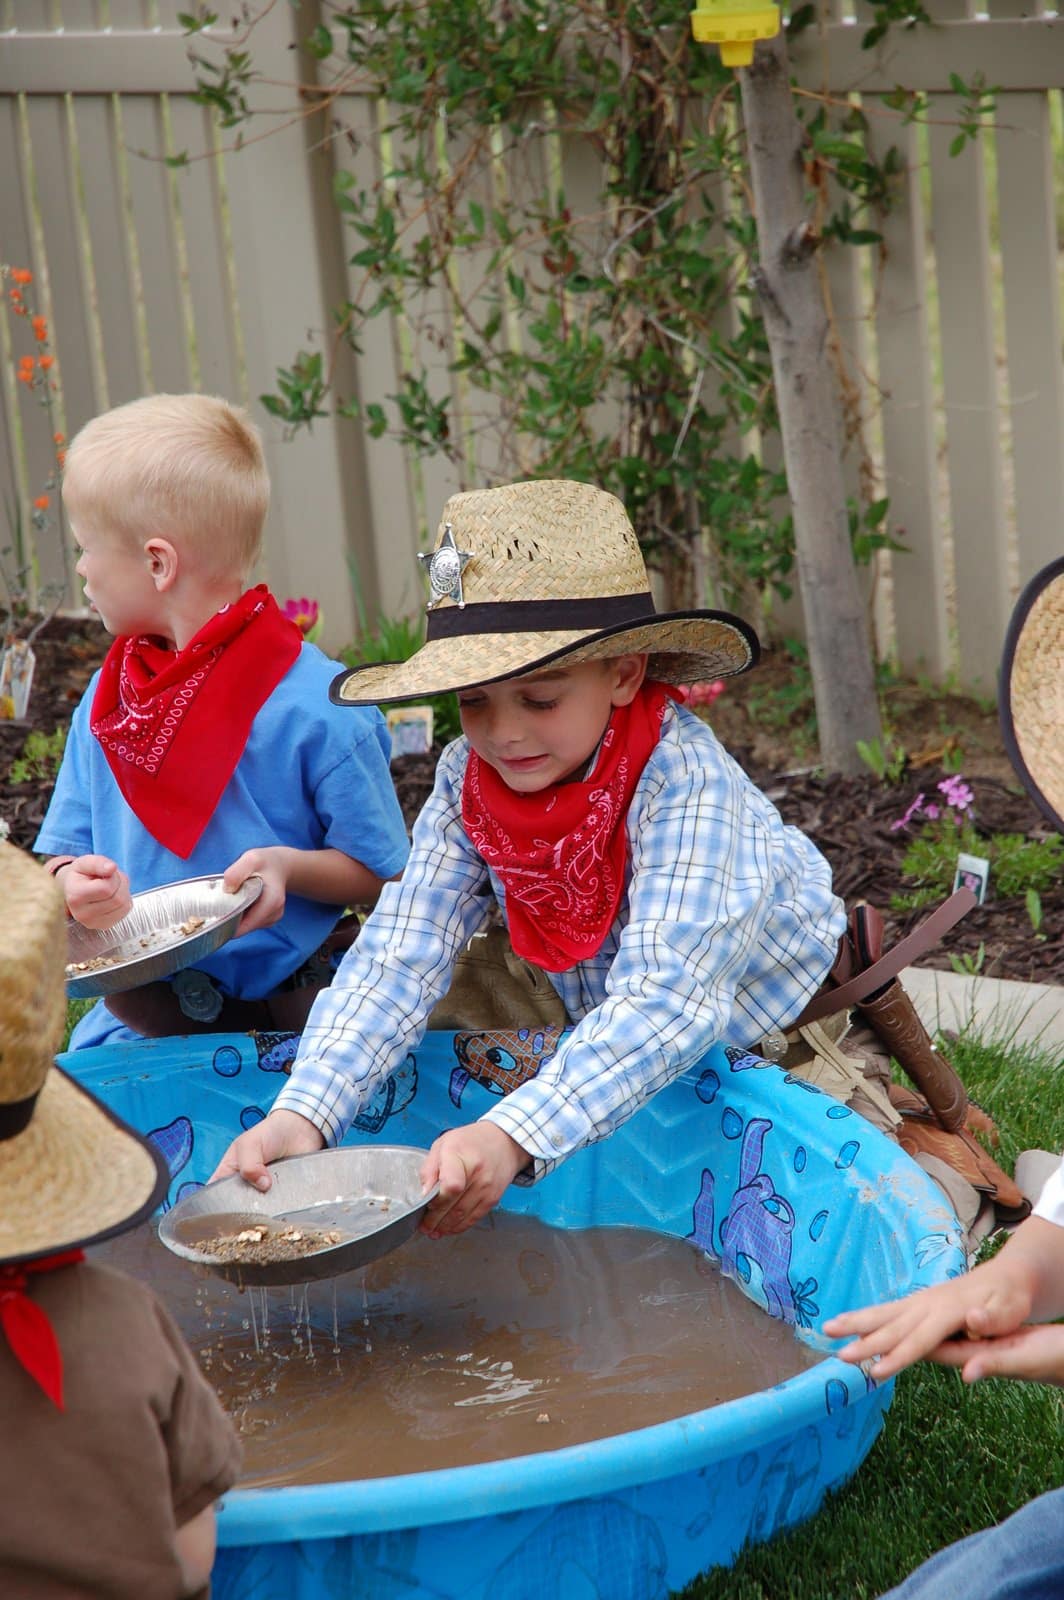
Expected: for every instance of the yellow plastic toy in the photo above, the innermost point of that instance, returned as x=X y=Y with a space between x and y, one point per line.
x=734 y=25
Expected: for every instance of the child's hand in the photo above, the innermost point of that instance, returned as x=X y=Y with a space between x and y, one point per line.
x=473 y=1166
x=270 y=863
x=282 y=1133
x=1035 y=1352
x=96 y=890
x=987 y=1303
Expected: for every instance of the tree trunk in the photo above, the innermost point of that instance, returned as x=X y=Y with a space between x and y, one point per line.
x=792 y=303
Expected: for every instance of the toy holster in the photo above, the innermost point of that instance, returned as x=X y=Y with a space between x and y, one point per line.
x=937 y=1125
x=864 y=978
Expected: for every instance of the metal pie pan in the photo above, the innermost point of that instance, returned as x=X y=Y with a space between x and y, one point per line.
x=370 y=1193
x=148 y=943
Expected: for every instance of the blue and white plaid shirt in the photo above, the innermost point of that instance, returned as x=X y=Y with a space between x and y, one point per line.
x=727 y=926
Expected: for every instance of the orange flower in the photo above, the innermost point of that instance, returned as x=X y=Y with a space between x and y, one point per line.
x=40 y=329
x=15 y=296
x=25 y=375
x=61 y=457
x=41 y=503
x=58 y=438
x=26 y=362
x=45 y=362
x=21 y=275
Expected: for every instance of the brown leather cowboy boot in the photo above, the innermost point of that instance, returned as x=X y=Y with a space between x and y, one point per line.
x=893 y=1016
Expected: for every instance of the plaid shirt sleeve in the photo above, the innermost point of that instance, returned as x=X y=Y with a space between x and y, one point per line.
x=375 y=1009
x=730 y=912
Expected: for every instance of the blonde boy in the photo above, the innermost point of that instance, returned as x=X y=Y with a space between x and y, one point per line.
x=632 y=859
x=206 y=744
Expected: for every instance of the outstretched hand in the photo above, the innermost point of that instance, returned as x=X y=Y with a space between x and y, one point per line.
x=96 y=891
x=987 y=1304
x=473 y=1166
x=282 y=1133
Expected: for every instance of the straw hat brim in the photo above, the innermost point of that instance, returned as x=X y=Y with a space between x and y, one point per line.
x=1031 y=691
x=685 y=647
x=74 y=1176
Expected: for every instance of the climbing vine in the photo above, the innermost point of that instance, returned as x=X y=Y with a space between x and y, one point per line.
x=550 y=201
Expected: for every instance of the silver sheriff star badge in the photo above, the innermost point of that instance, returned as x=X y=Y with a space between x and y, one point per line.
x=445 y=566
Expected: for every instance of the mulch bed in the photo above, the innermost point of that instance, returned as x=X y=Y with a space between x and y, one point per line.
x=849 y=818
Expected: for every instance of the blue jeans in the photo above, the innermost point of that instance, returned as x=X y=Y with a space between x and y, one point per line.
x=1021 y=1559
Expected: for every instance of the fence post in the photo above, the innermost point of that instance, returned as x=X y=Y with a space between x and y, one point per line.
x=287 y=249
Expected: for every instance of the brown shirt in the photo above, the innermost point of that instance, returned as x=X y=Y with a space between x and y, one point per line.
x=91 y=1497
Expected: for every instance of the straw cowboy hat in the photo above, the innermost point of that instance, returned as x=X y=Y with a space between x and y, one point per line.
x=70 y=1173
x=533 y=573
x=1031 y=690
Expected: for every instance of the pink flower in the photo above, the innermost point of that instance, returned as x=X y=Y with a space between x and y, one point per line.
x=916 y=806
x=958 y=794
x=306 y=614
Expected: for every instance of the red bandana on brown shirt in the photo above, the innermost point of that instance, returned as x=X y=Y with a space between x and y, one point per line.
x=560 y=853
x=173 y=724
x=26 y=1327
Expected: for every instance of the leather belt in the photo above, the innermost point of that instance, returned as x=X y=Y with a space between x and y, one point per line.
x=840 y=996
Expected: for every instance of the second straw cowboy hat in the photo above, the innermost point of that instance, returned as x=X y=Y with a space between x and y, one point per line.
x=70 y=1173
x=1031 y=690
x=534 y=573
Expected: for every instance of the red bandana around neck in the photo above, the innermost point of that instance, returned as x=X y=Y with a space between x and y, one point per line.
x=29 y=1333
x=173 y=724
x=560 y=854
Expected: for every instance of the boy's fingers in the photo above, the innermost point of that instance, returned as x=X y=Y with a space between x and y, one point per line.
x=896 y=1344
x=1035 y=1353
x=235 y=876
x=246 y=1160
x=430 y=1171
x=988 y=1358
x=999 y=1314
x=94 y=866
x=955 y=1352
x=453 y=1181
x=862 y=1321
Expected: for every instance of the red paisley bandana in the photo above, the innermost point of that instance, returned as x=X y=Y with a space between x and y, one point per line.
x=560 y=853
x=29 y=1333
x=173 y=724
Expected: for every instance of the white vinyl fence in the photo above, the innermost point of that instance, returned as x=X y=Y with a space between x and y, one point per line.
x=213 y=274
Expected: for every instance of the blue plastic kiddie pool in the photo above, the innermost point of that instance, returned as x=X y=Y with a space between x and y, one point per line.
x=804 y=1203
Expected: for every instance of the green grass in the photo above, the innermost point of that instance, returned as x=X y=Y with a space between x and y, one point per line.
x=951 y=1459
x=76 y=1009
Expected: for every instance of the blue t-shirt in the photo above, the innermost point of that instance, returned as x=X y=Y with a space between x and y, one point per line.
x=313 y=775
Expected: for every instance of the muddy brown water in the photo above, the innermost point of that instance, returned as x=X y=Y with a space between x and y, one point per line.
x=509 y=1339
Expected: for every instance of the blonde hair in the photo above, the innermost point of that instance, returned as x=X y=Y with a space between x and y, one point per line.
x=185 y=467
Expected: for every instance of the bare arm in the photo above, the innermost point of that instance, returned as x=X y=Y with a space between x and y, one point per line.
x=196 y=1543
